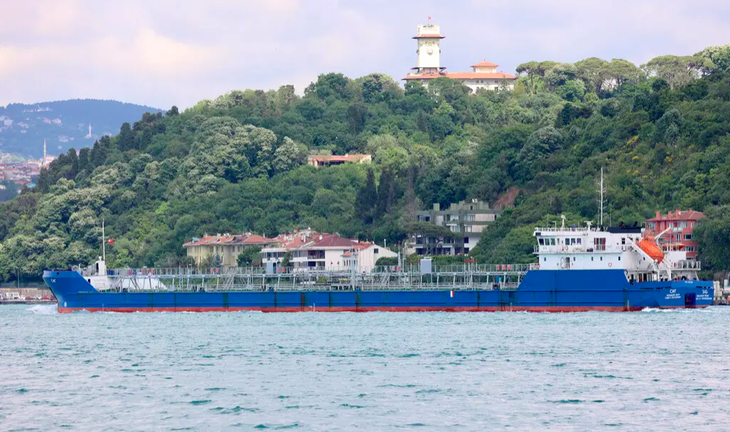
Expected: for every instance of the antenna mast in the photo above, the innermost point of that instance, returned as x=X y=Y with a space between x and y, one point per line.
x=103 y=242
x=601 y=191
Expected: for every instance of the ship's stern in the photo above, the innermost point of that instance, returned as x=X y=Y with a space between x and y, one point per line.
x=686 y=294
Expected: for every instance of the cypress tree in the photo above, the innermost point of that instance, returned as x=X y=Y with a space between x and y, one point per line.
x=386 y=193
x=126 y=138
x=366 y=199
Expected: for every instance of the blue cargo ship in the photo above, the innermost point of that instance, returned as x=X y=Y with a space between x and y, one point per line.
x=579 y=269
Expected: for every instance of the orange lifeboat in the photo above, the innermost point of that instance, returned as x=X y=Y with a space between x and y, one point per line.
x=649 y=246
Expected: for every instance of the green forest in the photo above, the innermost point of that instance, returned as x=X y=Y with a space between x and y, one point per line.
x=237 y=163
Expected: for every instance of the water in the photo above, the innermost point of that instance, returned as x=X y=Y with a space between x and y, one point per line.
x=651 y=370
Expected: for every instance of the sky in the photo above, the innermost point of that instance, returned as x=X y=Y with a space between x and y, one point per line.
x=178 y=52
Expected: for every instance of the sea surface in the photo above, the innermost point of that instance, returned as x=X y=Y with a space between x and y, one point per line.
x=650 y=370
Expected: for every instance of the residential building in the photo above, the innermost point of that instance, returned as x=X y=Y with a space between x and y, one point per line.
x=680 y=223
x=225 y=246
x=313 y=251
x=484 y=75
x=330 y=160
x=466 y=219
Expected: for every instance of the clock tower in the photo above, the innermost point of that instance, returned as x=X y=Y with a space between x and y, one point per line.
x=428 y=38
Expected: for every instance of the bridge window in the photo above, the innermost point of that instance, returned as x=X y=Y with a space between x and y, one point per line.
x=540 y=241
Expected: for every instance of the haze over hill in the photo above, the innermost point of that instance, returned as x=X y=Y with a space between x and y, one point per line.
x=63 y=124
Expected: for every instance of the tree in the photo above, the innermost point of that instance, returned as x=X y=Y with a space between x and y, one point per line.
x=532 y=69
x=250 y=255
x=288 y=156
x=622 y=71
x=386 y=193
x=594 y=72
x=84 y=162
x=366 y=199
x=675 y=70
x=713 y=236
x=356 y=114
x=126 y=139
x=718 y=56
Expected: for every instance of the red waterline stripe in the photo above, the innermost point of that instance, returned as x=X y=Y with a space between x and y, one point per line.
x=367 y=309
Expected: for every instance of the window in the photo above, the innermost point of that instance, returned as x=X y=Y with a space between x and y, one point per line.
x=591 y=258
x=466 y=240
x=579 y=241
x=540 y=241
x=544 y=259
x=375 y=250
x=619 y=258
x=599 y=243
x=688 y=236
x=690 y=248
x=467 y=228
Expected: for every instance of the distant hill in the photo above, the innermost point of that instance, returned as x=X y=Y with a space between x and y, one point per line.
x=63 y=124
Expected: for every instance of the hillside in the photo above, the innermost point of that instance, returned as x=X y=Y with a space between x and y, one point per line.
x=237 y=163
x=64 y=124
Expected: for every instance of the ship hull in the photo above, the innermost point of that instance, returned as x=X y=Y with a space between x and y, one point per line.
x=539 y=291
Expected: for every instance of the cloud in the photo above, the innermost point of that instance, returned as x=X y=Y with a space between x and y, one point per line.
x=169 y=52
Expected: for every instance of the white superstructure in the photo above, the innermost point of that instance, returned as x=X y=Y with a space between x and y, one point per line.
x=589 y=248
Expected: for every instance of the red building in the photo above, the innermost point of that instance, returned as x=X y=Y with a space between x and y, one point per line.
x=682 y=224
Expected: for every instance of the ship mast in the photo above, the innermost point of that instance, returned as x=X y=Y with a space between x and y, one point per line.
x=103 y=242
x=602 y=190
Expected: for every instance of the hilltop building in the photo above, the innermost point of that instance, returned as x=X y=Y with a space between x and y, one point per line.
x=484 y=75
x=681 y=224
x=330 y=160
x=466 y=219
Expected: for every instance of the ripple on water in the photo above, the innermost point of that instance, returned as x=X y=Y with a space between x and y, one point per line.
x=398 y=371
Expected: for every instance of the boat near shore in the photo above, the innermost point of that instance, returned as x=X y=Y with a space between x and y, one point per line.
x=578 y=269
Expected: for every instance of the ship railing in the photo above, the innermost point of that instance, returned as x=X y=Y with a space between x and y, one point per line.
x=412 y=269
x=567 y=229
x=578 y=249
x=457 y=268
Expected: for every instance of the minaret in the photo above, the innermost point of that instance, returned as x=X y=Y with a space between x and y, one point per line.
x=45 y=153
x=428 y=38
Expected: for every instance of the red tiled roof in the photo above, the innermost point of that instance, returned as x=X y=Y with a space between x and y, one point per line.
x=678 y=215
x=463 y=75
x=230 y=239
x=485 y=64
x=257 y=239
x=334 y=240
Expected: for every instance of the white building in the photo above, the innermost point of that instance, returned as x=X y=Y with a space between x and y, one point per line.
x=484 y=75
x=312 y=251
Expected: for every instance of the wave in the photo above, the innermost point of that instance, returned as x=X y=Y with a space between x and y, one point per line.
x=44 y=309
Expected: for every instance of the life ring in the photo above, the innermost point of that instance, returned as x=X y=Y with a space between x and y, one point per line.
x=610 y=264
